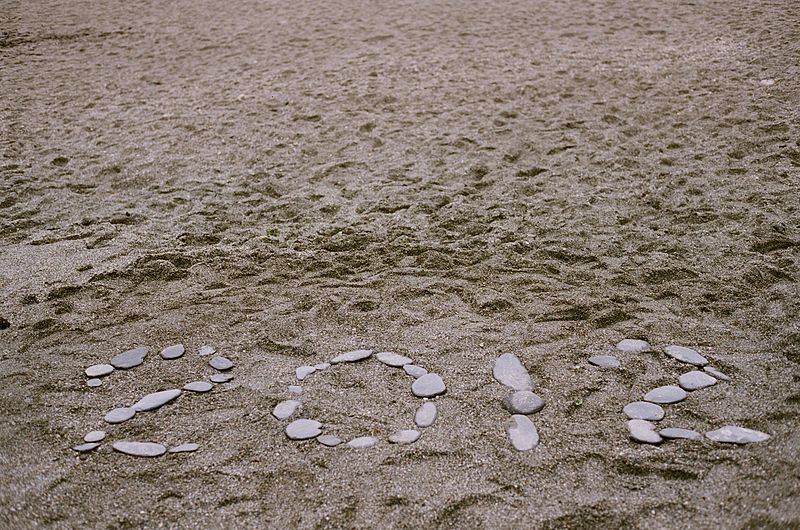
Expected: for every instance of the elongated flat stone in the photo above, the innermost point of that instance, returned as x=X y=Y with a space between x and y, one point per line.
x=732 y=434
x=94 y=382
x=206 y=350
x=522 y=432
x=695 y=380
x=303 y=372
x=523 y=402
x=362 y=442
x=220 y=378
x=404 y=437
x=285 y=409
x=666 y=394
x=426 y=414
x=428 y=385
x=156 y=399
x=295 y=389
x=351 y=356
x=508 y=370
x=675 y=433
x=303 y=429
x=185 y=448
x=173 y=352
x=322 y=366
x=329 y=440
x=99 y=370
x=393 y=359
x=146 y=449
x=120 y=415
x=83 y=448
x=642 y=410
x=686 y=355
x=633 y=346
x=604 y=361
x=198 y=386
x=130 y=358
x=221 y=363
x=94 y=436
x=644 y=432
x=414 y=371
x=713 y=372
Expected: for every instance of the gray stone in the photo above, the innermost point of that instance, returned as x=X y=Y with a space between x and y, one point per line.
x=644 y=432
x=173 y=352
x=362 y=442
x=393 y=359
x=666 y=394
x=428 y=385
x=633 y=346
x=414 y=371
x=185 y=448
x=94 y=436
x=221 y=363
x=686 y=355
x=304 y=371
x=303 y=429
x=322 y=366
x=736 y=435
x=508 y=370
x=426 y=414
x=130 y=358
x=351 y=356
x=523 y=402
x=674 y=433
x=94 y=382
x=156 y=399
x=695 y=380
x=329 y=440
x=716 y=373
x=120 y=415
x=284 y=409
x=198 y=386
x=206 y=350
x=642 y=410
x=604 y=361
x=522 y=432
x=220 y=378
x=295 y=389
x=99 y=370
x=147 y=449
x=83 y=448
x=404 y=437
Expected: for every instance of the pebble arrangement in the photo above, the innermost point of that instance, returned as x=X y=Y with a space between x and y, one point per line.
x=509 y=371
x=425 y=386
x=131 y=359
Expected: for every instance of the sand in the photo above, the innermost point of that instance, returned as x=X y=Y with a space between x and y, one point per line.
x=450 y=181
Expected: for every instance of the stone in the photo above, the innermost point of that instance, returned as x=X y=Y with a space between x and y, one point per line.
x=686 y=355
x=284 y=409
x=304 y=371
x=522 y=432
x=185 y=448
x=329 y=440
x=83 y=448
x=633 y=346
x=130 y=358
x=362 y=442
x=414 y=371
x=674 y=433
x=732 y=434
x=94 y=382
x=604 y=361
x=220 y=378
x=173 y=352
x=426 y=414
x=695 y=380
x=94 y=436
x=508 y=370
x=198 y=386
x=351 y=356
x=523 y=402
x=644 y=432
x=303 y=429
x=221 y=363
x=295 y=389
x=99 y=370
x=393 y=359
x=120 y=415
x=428 y=385
x=146 y=449
x=642 y=410
x=713 y=372
x=322 y=366
x=206 y=350
x=404 y=437
x=156 y=399
x=666 y=394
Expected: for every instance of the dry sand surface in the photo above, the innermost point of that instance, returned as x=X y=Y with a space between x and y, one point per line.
x=447 y=180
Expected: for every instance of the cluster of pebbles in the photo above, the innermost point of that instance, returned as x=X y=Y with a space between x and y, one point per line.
x=425 y=385
x=509 y=371
x=131 y=359
x=642 y=414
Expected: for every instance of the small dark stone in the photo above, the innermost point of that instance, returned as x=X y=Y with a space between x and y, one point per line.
x=4 y=324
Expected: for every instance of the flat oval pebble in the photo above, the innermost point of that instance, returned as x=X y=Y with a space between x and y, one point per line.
x=94 y=382
x=206 y=350
x=220 y=378
x=686 y=355
x=303 y=372
x=221 y=363
x=173 y=352
x=695 y=380
x=329 y=440
x=604 y=361
x=404 y=437
x=351 y=356
x=119 y=415
x=185 y=448
x=130 y=358
x=156 y=399
x=642 y=410
x=393 y=359
x=522 y=432
x=523 y=402
x=99 y=370
x=644 y=432
x=508 y=370
x=295 y=389
x=303 y=429
x=633 y=345
x=284 y=409
x=674 y=433
x=148 y=449
x=713 y=372
x=428 y=385
x=322 y=366
x=414 y=371
x=426 y=414
x=732 y=434
x=86 y=447
x=362 y=442
x=198 y=386
x=94 y=436
x=666 y=394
